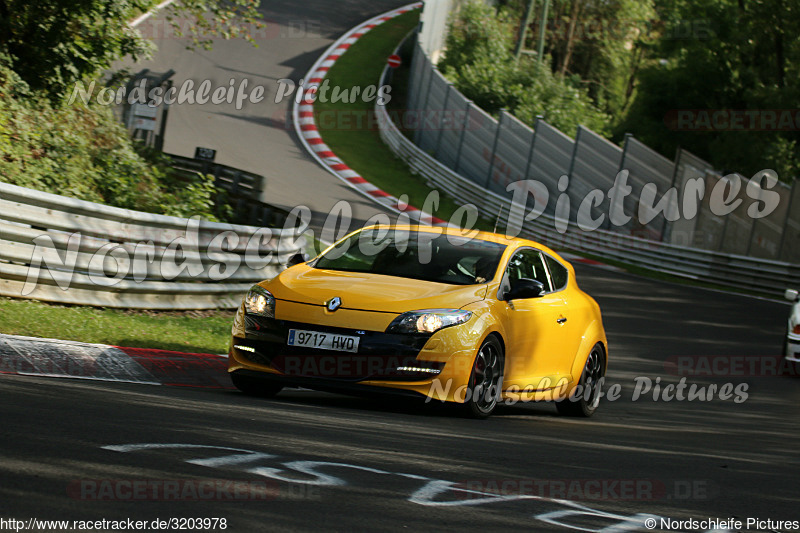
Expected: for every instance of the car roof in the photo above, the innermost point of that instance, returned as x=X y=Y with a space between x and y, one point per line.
x=511 y=242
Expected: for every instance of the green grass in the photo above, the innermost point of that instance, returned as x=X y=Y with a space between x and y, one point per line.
x=191 y=331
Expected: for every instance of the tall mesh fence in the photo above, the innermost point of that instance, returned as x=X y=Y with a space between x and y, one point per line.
x=682 y=202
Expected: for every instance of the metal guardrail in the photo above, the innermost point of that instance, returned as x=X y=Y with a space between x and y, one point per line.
x=226 y=178
x=238 y=189
x=725 y=269
x=64 y=250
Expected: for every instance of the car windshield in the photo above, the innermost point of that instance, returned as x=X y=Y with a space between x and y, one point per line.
x=418 y=255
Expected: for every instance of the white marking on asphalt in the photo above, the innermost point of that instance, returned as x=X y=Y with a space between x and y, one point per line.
x=627 y=523
x=308 y=468
x=109 y=380
x=425 y=496
x=230 y=460
x=161 y=446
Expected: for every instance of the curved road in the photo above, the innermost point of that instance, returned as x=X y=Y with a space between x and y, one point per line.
x=260 y=137
x=67 y=450
x=88 y=450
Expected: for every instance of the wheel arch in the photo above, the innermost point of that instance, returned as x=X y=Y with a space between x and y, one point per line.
x=594 y=334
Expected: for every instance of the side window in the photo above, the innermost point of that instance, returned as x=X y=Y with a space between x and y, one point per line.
x=528 y=264
x=558 y=273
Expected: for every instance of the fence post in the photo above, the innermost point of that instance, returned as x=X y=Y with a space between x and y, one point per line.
x=461 y=139
x=571 y=168
x=533 y=144
x=424 y=109
x=666 y=228
x=752 y=223
x=727 y=218
x=786 y=221
x=441 y=121
x=494 y=148
x=611 y=201
x=416 y=80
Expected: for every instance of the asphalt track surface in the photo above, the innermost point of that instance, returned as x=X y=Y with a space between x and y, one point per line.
x=309 y=461
x=404 y=466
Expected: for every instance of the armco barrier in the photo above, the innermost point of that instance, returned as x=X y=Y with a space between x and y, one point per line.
x=241 y=191
x=60 y=249
x=226 y=178
x=724 y=269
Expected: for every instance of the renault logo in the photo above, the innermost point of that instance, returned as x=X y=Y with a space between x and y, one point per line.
x=334 y=304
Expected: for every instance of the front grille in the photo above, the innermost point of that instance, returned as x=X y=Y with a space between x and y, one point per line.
x=379 y=354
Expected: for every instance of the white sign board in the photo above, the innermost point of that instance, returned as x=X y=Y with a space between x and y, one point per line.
x=142 y=110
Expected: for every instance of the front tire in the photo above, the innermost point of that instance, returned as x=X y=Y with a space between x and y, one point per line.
x=254 y=386
x=585 y=404
x=486 y=380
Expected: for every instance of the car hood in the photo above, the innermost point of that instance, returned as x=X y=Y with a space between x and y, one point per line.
x=370 y=292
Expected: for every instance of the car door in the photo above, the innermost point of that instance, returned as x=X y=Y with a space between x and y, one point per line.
x=573 y=316
x=535 y=338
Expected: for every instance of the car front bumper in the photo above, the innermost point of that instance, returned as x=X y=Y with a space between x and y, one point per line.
x=436 y=366
x=793 y=347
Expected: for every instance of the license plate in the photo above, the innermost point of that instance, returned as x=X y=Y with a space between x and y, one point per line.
x=323 y=341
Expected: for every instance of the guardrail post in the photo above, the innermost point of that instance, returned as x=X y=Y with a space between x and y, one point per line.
x=266 y=215
x=237 y=179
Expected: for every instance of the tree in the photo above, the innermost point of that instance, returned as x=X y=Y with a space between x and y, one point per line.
x=479 y=60
x=55 y=43
x=726 y=56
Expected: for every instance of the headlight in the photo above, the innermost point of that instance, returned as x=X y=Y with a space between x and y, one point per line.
x=428 y=320
x=260 y=302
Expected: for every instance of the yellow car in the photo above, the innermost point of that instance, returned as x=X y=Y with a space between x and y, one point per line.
x=430 y=312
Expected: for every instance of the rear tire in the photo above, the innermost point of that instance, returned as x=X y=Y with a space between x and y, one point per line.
x=254 y=386
x=486 y=380
x=590 y=385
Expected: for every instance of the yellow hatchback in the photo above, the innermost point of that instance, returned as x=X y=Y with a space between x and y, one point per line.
x=475 y=319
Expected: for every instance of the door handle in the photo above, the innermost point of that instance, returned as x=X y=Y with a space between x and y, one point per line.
x=561 y=320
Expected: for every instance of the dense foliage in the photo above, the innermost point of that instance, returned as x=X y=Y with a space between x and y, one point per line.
x=78 y=150
x=716 y=77
x=479 y=61
x=84 y=152
x=55 y=43
x=740 y=58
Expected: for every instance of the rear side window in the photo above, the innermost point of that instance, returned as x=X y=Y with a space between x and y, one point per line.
x=528 y=264
x=558 y=273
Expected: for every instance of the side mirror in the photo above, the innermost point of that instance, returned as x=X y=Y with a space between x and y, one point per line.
x=296 y=259
x=525 y=288
x=791 y=295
